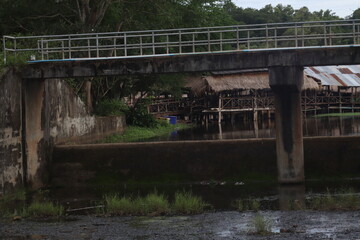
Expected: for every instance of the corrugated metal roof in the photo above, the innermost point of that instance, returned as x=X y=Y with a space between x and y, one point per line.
x=347 y=76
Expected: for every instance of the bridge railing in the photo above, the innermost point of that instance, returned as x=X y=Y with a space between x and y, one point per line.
x=184 y=41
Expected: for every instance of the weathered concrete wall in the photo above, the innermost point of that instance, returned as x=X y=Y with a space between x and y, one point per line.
x=198 y=160
x=36 y=115
x=55 y=115
x=11 y=165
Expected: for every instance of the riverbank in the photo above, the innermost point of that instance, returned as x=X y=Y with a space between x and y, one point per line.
x=289 y=225
x=136 y=133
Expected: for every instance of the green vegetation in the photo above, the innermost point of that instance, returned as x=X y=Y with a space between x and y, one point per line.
x=337 y=115
x=11 y=204
x=345 y=199
x=111 y=107
x=153 y=204
x=247 y=205
x=134 y=133
x=43 y=209
x=261 y=225
x=186 y=203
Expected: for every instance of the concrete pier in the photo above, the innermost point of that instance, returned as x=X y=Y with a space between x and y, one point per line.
x=286 y=83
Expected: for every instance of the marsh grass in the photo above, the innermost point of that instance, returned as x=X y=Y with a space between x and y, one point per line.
x=261 y=225
x=344 y=199
x=153 y=204
x=43 y=209
x=186 y=203
x=247 y=205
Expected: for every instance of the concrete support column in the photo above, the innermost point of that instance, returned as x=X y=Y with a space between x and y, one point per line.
x=286 y=83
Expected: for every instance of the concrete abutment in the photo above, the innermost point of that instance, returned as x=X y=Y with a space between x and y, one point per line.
x=35 y=115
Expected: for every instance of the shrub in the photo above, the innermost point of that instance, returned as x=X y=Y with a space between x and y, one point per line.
x=111 y=107
x=139 y=116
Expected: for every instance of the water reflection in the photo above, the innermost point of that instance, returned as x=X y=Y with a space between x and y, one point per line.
x=291 y=197
x=325 y=126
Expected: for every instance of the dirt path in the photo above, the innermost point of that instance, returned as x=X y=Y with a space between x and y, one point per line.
x=292 y=225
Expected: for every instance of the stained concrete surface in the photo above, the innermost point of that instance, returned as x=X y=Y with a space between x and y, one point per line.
x=290 y=225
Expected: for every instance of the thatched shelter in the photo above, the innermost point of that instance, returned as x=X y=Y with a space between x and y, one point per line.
x=237 y=81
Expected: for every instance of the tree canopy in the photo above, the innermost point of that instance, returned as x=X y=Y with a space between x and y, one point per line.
x=38 y=17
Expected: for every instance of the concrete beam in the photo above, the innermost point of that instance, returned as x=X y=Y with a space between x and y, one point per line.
x=286 y=83
x=201 y=62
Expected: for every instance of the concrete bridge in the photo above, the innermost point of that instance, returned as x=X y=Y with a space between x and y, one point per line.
x=285 y=49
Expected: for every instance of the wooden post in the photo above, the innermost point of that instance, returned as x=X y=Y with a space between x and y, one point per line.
x=220 y=106
x=340 y=104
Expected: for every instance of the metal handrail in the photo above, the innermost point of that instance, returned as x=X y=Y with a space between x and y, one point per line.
x=184 y=40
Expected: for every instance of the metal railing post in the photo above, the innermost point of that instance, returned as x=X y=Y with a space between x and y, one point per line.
x=303 y=35
x=267 y=36
x=237 y=39
x=330 y=36
x=209 y=45
x=325 y=37
x=153 y=42
x=63 y=49
x=4 y=47
x=296 y=35
x=167 y=44
x=248 y=39
x=221 y=47
x=97 y=46
x=193 y=42
x=89 y=48
x=69 y=47
x=275 y=36
x=354 y=31
x=141 y=47
x=42 y=48
x=125 y=45
x=115 y=54
x=180 y=47
x=15 y=47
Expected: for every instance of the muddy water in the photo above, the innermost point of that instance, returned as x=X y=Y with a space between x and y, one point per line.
x=324 y=126
x=222 y=194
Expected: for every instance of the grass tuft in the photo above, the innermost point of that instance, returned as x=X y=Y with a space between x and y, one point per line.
x=261 y=225
x=186 y=203
x=44 y=209
x=119 y=206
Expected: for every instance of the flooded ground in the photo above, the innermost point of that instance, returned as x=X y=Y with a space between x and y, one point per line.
x=294 y=225
x=324 y=126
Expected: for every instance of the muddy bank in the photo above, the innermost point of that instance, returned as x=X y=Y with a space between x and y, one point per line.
x=290 y=225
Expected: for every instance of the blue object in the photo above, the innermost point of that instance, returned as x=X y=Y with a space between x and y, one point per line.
x=172 y=119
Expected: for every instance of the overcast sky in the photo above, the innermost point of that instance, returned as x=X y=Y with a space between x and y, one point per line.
x=342 y=8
